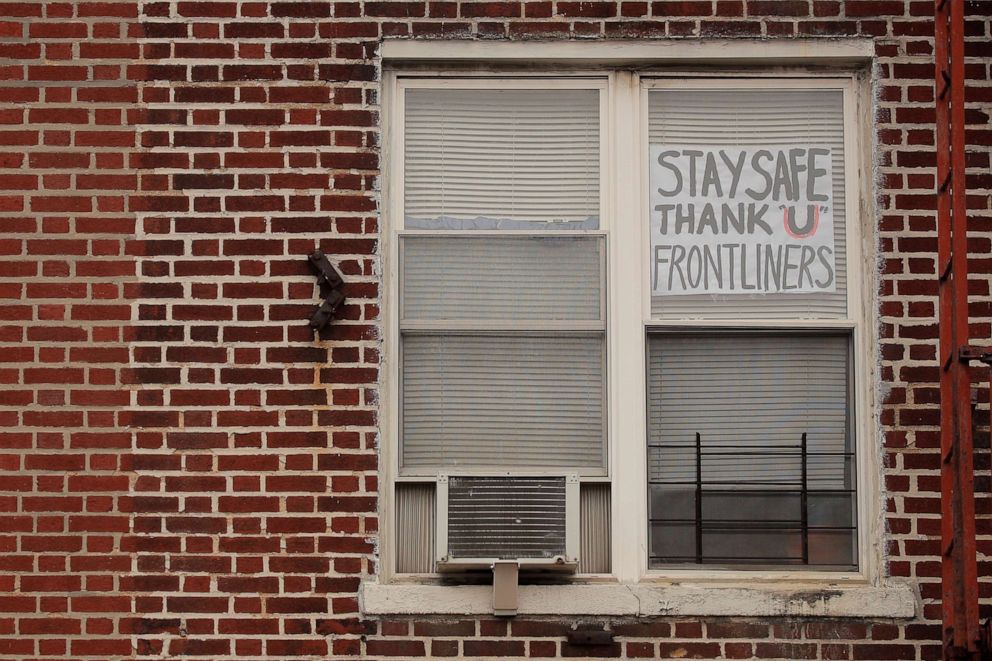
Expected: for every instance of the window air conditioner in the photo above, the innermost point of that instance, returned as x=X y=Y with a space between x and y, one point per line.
x=531 y=520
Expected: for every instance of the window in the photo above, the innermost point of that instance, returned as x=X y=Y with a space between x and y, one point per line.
x=649 y=284
x=502 y=306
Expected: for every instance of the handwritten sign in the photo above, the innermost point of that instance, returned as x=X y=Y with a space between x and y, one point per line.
x=741 y=220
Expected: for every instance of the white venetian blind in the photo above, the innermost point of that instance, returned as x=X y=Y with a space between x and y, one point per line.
x=499 y=278
x=750 y=398
x=502 y=334
x=762 y=118
x=501 y=159
x=490 y=401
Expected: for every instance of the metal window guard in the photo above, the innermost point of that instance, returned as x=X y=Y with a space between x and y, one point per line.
x=704 y=488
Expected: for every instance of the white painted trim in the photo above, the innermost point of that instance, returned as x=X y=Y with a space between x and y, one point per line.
x=392 y=196
x=864 y=356
x=897 y=600
x=628 y=497
x=549 y=81
x=763 y=79
x=731 y=52
x=862 y=193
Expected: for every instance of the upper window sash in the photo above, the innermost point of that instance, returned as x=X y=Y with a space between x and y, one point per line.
x=472 y=242
x=407 y=195
x=670 y=100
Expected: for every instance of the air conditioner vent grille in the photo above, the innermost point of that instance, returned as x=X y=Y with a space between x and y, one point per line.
x=506 y=517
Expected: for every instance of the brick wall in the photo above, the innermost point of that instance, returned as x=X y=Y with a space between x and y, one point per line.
x=184 y=471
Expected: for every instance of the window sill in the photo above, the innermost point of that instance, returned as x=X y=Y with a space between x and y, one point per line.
x=892 y=601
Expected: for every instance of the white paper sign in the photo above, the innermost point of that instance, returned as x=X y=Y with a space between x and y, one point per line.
x=741 y=220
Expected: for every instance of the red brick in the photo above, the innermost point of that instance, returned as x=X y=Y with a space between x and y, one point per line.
x=588 y=9
x=395 y=647
x=500 y=648
x=690 y=650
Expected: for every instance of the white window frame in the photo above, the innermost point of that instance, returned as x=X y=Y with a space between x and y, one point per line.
x=395 y=84
x=857 y=317
x=624 y=193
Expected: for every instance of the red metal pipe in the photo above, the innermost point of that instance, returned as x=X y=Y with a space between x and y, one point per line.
x=959 y=564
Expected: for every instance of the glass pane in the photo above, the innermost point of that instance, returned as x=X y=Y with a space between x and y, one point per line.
x=672 y=543
x=764 y=507
x=672 y=502
x=749 y=448
x=746 y=204
x=832 y=548
x=529 y=402
x=522 y=278
x=495 y=159
x=758 y=546
x=832 y=509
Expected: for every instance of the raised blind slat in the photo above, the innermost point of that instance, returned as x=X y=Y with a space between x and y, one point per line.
x=506 y=402
x=501 y=159
x=518 y=278
x=506 y=517
x=738 y=117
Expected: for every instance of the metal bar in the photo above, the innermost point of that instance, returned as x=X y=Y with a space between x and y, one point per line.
x=972 y=352
x=733 y=560
x=748 y=526
x=738 y=486
x=699 y=498
x=744 y=453
x=965 y=560
x=805 y=508
x=796 y=449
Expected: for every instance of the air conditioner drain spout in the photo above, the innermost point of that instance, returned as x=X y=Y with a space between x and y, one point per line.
x=505 y=575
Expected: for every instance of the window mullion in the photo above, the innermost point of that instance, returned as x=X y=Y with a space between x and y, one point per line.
x=626 y=334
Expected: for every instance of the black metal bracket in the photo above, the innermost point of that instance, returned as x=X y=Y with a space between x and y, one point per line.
x=971 y=352
x=331 y=290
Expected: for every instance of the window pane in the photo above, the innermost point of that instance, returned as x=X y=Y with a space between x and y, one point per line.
x=501 y=159
x=523 y=278
x=747 y=204
x=502 y=402
x=750 y=460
